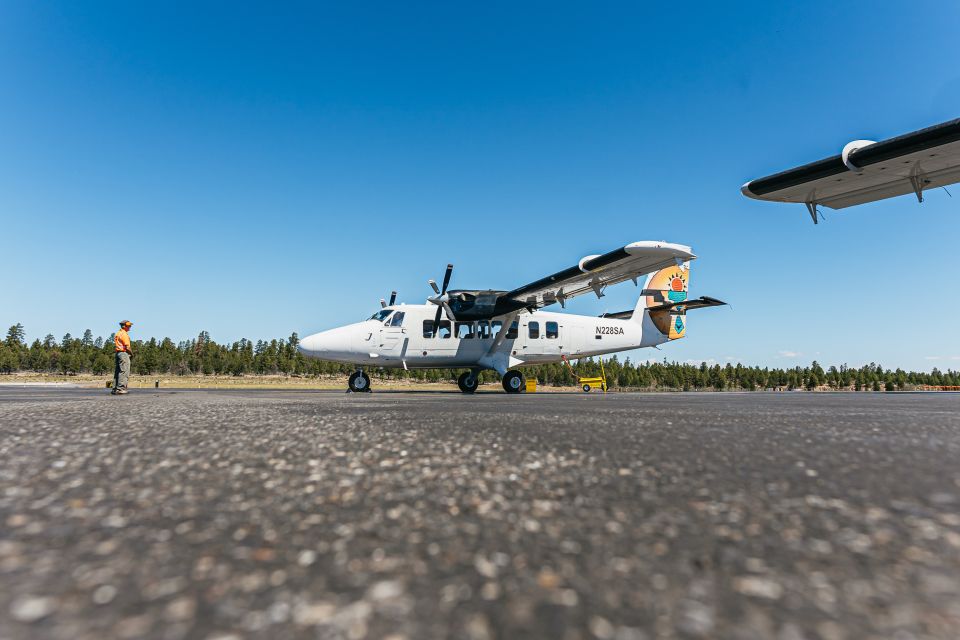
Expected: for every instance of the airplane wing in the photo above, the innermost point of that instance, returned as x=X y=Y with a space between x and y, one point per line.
x=866 y=171
x=594 y=273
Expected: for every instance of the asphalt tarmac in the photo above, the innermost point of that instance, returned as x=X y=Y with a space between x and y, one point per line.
x=297 y=514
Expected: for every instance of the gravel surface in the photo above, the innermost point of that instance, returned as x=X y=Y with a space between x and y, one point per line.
x=235 y=514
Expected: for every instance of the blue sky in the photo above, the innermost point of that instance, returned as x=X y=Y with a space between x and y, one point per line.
x=256 y=171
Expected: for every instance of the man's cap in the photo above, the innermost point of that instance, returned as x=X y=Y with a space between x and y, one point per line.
x=125 y=322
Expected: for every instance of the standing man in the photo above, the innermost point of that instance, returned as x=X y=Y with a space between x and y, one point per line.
x=121 y=345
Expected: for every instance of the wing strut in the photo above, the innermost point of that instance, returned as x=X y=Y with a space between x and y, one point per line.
x=502 y=334
x=812 y=208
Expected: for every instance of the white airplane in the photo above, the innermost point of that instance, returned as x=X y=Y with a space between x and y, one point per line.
x=504 y=330
x=867 y=171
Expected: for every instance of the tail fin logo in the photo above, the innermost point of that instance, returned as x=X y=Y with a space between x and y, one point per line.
x=678 y=288
x=667 y=289
x=667 y=285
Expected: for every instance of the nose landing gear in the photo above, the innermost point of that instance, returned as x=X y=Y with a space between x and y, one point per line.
x=359 y=381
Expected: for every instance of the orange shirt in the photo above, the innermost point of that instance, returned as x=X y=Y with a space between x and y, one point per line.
x=121 y=341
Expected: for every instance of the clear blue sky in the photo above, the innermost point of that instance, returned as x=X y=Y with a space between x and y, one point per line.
x=258 y=171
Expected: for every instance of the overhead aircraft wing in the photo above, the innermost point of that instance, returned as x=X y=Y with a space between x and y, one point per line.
x=594 y=273
x=866 y=171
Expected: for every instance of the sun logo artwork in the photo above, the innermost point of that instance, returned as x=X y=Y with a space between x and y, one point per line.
x=678 y=288
x=669 y=286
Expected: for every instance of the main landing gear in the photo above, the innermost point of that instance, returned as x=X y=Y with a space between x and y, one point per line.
x=359 y=381
x=468 y=381
x=513 y=382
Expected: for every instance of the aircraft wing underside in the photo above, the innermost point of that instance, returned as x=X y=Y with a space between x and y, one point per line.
x=867 y=171
x=594 y=273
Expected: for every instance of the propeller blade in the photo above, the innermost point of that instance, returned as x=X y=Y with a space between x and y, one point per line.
x=446 y=278
x=433 y=283
x=436 y=322
x=383 y=303
x=393 y=297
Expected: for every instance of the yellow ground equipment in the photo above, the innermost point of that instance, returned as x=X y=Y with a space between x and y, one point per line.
x=590 y=383
x=531 y=385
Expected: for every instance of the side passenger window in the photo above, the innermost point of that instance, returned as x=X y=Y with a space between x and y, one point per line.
x=552 y=330
x=444 y=332
x=534 y=329
x=483 y=329
x=512 y=331
x=464 y=330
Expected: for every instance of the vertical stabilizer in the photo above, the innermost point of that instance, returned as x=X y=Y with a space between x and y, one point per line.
x=662 y=298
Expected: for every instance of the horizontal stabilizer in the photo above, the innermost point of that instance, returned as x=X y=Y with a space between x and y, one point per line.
x=677 y=307
x=619 y=315
x=682 y=307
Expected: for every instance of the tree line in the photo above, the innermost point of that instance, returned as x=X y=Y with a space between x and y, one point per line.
x=204 y=356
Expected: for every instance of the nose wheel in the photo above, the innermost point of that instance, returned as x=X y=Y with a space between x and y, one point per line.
x=359 y=381
x=468 y=382
x=513 y=382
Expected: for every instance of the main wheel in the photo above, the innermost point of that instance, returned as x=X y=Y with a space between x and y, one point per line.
x=586 y=388
x=513 y=382
x=359 y=381
x=468 y=382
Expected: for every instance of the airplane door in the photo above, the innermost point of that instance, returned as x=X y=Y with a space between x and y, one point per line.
x=542 y=338
x=551 y=338
x=393 y=337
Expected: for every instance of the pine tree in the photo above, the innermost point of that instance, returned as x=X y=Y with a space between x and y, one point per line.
x=16 y=335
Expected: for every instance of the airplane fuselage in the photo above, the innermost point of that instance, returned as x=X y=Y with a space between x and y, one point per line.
x=409 y=341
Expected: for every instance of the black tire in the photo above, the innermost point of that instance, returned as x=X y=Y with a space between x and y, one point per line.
x=359 y=382
x=586 y=388
x=513 y=382
x=468 y=382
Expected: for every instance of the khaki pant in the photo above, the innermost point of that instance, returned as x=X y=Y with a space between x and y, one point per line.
x=121 y=372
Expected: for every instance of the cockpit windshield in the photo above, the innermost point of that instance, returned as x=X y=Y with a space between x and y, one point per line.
x=381 y=315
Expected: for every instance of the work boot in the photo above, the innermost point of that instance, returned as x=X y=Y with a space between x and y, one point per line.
x=122 y=392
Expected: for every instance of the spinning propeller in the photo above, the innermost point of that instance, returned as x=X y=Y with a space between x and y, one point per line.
x=393 y=298
x=441 y=299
